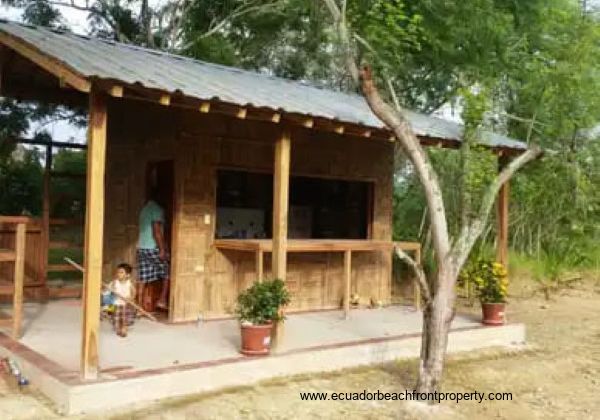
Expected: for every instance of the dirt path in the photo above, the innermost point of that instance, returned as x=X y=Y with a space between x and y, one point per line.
x=558 y=376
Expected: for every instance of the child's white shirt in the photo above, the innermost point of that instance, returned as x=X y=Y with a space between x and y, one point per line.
x=123 y=288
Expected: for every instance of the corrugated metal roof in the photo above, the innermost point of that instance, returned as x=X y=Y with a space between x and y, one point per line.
x=104 y=59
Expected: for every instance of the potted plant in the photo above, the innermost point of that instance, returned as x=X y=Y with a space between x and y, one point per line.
x=490 y=281
x=258 y=307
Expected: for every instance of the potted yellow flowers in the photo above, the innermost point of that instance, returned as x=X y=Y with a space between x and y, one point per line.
x=490 y=279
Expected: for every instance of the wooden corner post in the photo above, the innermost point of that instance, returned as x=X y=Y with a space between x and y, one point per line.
x=502 y=219
x=45 y=234
x=94 y=230
x=281 y=188
x=347 y=282
x=21 y=234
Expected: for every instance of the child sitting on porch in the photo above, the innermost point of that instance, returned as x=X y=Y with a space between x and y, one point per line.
x=123 y=287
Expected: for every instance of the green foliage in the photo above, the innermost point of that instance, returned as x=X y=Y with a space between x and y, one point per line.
x=557 y=257
x=526 y=69
x=120 y=15
x=21 y=183
x=40 y=12
x=68 y=194
x=537 y=80
x=13 y=121
x=431 y=49
x=489 y=278
x=286 y=38
x=260 y=303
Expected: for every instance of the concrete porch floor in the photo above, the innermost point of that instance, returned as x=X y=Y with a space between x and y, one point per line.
x=160 y=360
x=54 y=330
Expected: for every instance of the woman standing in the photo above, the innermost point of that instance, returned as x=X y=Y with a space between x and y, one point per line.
x=152 y=253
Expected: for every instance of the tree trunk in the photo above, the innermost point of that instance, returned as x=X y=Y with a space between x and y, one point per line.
x=436 y=324
x=440 y=294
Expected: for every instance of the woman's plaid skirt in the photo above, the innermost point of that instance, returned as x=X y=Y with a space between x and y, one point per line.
x=150 y=266
x=123 y=315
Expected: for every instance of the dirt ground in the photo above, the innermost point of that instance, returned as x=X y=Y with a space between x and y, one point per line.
x=556 y=376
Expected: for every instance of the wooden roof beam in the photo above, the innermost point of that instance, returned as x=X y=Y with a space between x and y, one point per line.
x=261 y=114
x=64 y=73
x=251 y=113
x=57 y=144
x=204 y=107
x=269 y=115
x=67 y=97
x=141 y=93
x=116 y=91
x=300 y=119
x=164 y=99
x=242 y=113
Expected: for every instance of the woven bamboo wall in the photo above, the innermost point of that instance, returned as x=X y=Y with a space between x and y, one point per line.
x=206 y=281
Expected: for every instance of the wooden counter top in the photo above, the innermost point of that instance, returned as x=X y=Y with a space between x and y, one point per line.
x=305 y=245
x=347 y=246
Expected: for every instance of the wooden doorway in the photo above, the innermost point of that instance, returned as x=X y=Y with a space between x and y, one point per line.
x=160 y=176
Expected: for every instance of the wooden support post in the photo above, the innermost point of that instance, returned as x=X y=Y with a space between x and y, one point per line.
x=45 y=233
x=281 y=186
x=347 y=281
x=94 y=231
x=502 y=220
x=19 y=279
x=259 y=265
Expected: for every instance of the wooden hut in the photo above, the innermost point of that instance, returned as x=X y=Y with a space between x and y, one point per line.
x=260 y=177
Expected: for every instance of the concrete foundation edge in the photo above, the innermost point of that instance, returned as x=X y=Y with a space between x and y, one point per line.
x=93 y=397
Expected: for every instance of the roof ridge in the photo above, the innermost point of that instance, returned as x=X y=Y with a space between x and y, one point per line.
x=163 y=53
x=171 y=55
x=222 y=82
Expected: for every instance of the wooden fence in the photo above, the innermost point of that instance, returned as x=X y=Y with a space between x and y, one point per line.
x=37 y=250
x=14 y=257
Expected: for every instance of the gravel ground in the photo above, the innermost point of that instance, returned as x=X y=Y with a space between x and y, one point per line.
x=557 y=376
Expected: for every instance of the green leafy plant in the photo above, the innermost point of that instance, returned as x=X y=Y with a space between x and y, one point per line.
x=489 y=278
x=260 y=303
x=558 y=257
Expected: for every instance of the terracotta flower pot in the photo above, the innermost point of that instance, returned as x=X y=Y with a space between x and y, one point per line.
x=256 y=339
x=493 y=313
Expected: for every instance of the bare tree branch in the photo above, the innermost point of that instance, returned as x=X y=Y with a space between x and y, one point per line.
x=114 y=25
x=471 y=231
x=407 y=138
x=396 y=121
x=244 y=9
x=420 y=277
x=388 y=80
x=335 y=11
x=439 y=312
x=340 y=22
